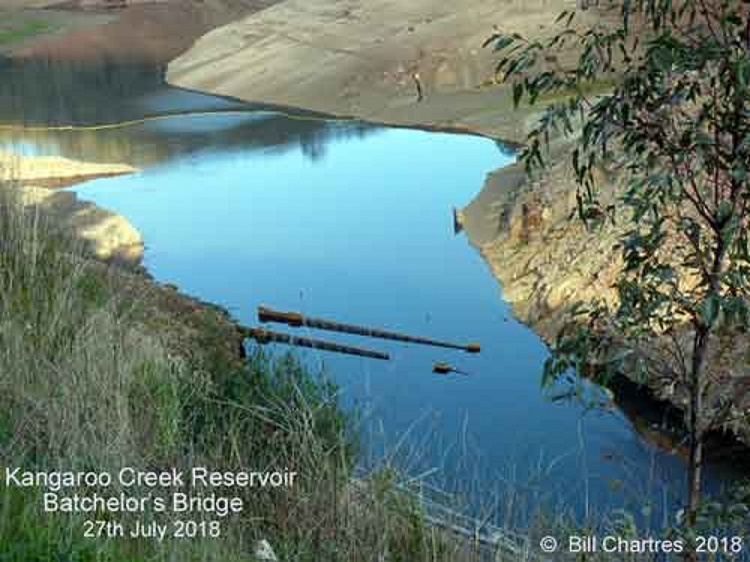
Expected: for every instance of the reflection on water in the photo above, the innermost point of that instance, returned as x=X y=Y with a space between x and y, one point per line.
x=173 y=137
x=43 y=94
x=45 y=91
x=350 y=222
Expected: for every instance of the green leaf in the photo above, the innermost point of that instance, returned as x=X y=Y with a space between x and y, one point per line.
x=723 y=212
x=709 y=309
x=739 y=172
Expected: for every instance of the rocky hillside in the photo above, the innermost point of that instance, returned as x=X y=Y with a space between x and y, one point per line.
x=546 y=261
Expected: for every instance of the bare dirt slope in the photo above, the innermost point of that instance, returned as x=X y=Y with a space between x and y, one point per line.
x=119 y=30
x=359 y=58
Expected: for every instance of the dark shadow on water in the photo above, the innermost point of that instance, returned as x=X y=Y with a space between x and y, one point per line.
x=661 y=425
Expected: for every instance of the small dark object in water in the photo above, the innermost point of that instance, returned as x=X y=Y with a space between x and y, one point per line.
x=265 y=336
x=296 y=319
x=445 y=369
x=457 y=225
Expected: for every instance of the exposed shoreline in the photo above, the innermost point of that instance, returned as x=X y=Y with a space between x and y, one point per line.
x=146 y=31
x=369 y=60
x=106 y=235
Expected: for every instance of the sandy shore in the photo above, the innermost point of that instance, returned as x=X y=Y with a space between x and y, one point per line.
x=44 y=170
x=142 y=31
x=107 y=235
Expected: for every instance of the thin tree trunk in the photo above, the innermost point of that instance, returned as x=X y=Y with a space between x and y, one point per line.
x=695 y=425
x=695 y=428
x=695 y=479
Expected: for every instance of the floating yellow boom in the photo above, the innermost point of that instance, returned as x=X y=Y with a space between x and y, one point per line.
x=266 y=336
x=295 y=319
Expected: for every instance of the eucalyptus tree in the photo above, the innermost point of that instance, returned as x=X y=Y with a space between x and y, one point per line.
x=669 y=139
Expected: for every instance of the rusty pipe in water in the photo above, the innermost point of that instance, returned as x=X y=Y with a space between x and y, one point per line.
x=295 y=319
x=266 y=336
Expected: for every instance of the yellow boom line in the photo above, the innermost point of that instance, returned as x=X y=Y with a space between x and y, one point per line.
x=141 y=121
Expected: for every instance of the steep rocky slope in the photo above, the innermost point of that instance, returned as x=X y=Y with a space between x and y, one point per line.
x=547 y=261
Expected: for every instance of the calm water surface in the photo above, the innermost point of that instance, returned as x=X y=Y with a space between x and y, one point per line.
x=360 y=229
x=353 y=222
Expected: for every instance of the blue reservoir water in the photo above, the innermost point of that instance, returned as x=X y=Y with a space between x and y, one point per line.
x=356 y=225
